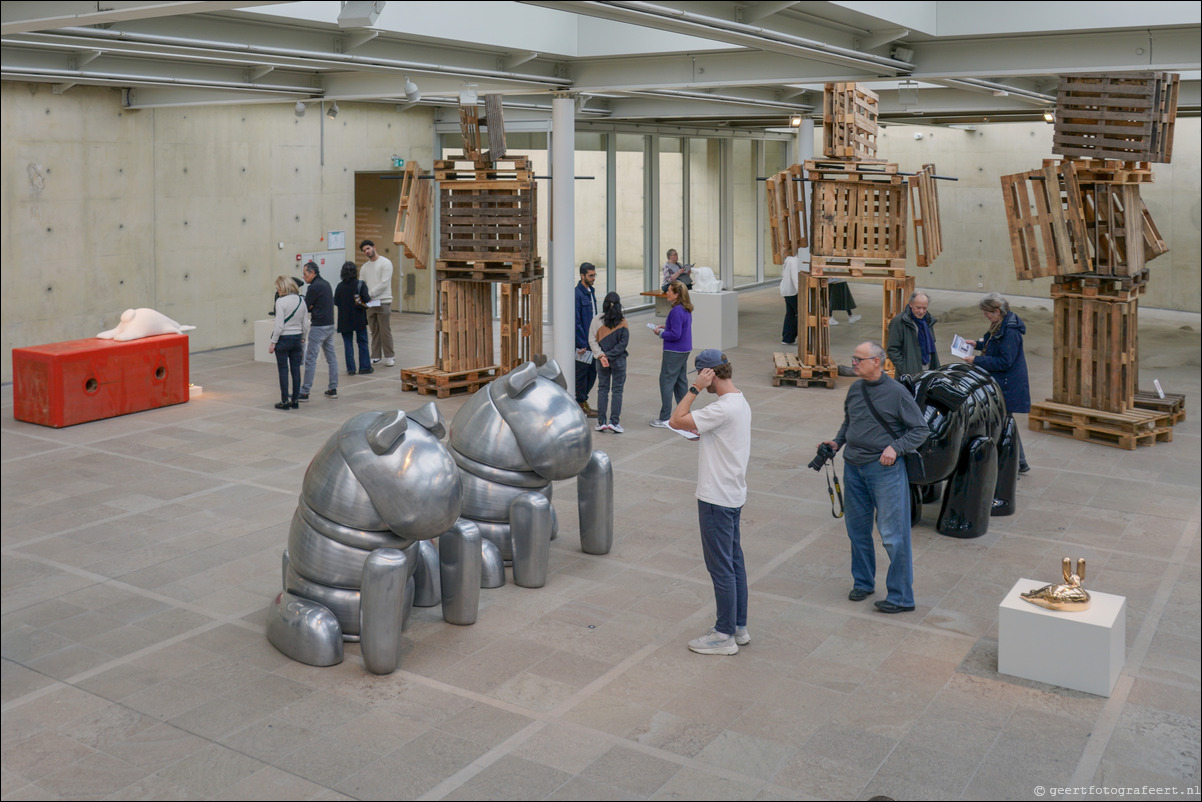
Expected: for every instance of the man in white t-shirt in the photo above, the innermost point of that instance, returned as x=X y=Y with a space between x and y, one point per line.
x=377 y=275
x=725 y=429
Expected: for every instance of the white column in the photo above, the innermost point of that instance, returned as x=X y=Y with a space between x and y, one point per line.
x=562 y=270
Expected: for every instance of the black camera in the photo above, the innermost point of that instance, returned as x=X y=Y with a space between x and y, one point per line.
x=825 y=452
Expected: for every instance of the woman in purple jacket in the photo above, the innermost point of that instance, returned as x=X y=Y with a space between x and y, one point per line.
x=677 y=334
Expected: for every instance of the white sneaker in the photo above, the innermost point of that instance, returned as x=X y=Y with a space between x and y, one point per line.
x=742 y=636
x=854 y=318
x=616 y=429
x=601 y=427
x=389 y=361
x=660 y=424
x=833 y=321
x=714 y=642
x=376 y=361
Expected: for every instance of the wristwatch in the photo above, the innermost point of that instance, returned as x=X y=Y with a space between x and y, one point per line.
x=693 y=389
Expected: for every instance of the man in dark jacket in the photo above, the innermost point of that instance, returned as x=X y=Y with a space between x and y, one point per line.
x=911 y=345
x=586 y=310
x=320 y=300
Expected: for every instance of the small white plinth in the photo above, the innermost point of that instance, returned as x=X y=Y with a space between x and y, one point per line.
x=1084 y=651
x=715 y=320
x=263 y=329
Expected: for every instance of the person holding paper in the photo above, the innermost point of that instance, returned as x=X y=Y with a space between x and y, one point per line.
x=677 y=334
x=911 y=344
x=1002 y=358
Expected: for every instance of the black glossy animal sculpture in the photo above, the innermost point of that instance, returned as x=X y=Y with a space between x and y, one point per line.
x=973 y=445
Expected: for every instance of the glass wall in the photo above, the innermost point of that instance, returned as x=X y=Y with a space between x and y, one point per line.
x=704 y=190
x=671 y=203
x=592 y=193
x=630 y=215
x=746 y=192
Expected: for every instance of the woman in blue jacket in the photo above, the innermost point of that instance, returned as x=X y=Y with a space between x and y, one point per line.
x=1002 y=358
x=677 y=334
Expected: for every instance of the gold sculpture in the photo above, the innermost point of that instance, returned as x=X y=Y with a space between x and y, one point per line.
x=1069 y=597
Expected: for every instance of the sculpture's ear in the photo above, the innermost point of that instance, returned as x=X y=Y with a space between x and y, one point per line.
x=519 y=379
x=1081 y=568
x=430 y=419
x=1067 y=569
x=550 y=370
x=128 y=315
x=386 y=430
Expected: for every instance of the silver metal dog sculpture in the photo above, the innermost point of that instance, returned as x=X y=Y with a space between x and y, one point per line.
x=360 y=552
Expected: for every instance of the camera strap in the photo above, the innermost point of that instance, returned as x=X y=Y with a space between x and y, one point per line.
x=834 y=492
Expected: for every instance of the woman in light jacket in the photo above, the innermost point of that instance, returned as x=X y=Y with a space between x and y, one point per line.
x=288 y=339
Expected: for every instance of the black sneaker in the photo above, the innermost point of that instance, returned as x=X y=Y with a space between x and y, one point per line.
x=304 y=396
x=294 y=405
x=332 y=392
x=283 y=405
x=350 y=373
x=365 y=371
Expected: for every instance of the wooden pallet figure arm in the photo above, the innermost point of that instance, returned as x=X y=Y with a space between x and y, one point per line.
x=924 y=197
x=1046 y=221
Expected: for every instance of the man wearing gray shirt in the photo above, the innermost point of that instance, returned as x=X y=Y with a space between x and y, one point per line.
x=874 y=476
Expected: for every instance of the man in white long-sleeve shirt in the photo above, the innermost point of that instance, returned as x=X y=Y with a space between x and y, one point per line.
x=377 y=275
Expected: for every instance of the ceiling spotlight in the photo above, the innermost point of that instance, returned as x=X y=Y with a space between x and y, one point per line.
x=1048 y=116
x=332 y=112
x=412 y=93
x=795 y=121
x=300 y=108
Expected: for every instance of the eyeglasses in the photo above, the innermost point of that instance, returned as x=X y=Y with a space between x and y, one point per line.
x=855 y=360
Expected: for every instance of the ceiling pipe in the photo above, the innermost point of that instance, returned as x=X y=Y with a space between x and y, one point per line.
x=339 y=59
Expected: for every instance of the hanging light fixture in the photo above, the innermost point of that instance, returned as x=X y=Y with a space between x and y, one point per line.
x=795 y=121
x=300 y=108
x=332 y=112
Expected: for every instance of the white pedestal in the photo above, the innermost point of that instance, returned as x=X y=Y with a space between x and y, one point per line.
x=715 y=320
x=1084 y=651
x=263 y=329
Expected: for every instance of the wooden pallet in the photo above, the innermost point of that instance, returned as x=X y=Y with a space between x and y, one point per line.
x=813 y=318
x=1046 y=222
x=1114 y=216
x=1173 y=404
x=521 y=307
x=1126 y=116
x=469 y=127
x=413 y=215
x=463 y=331
x=1128 y=430
x=788 y=369
x=1091 y=285
x=788 y=222
x=924 y=205
x=849 y=121
x=429 y=380
x=494 y=121
x=857 y=267
x=489 y=270
x=894 y=297
x=1111 y=171
x=1095 y=353
x=858 y=220
x=489 y=224
x=501 y=172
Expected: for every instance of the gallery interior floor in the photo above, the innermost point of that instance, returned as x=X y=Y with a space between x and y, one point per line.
x=140 y=553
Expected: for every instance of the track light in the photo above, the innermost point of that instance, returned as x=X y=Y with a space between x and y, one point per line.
x=412 y=93
x=332 y=112
x=300 y=108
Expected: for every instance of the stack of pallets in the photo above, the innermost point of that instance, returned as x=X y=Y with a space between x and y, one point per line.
x=856 y=223
x=488 y=240
x=1081 y=221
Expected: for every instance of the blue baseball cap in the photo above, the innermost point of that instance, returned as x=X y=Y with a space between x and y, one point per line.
x=709 y=358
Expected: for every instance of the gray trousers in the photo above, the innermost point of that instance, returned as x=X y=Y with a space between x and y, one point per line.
x=320 y=338
x=672 y=381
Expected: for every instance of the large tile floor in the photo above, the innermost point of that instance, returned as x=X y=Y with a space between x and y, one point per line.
x=140 y=553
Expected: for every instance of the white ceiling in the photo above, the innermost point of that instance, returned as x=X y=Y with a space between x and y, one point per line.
x=745 y=64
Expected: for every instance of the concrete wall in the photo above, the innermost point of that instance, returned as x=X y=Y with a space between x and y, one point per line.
x=976 y=241
x=178 y=209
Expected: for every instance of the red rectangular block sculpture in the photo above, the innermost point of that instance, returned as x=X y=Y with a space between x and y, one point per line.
x=62 y=384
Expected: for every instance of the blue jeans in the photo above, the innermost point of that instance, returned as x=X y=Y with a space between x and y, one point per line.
x=321 y=338
x=288 y=353
x=724 y=560
x=586 y=376
x=611 y=378
x=348 y=344
x=672 y=381
x=871 y=487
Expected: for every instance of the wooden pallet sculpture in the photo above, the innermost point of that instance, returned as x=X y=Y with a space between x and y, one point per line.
x=488 y=238
x=413 y=215
x=1127 y=116
x=1090 y=230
